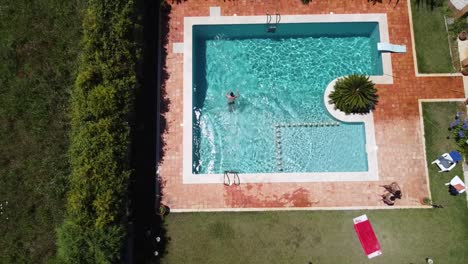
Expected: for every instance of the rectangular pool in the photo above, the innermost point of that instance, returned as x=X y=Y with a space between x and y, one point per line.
x=279 y=125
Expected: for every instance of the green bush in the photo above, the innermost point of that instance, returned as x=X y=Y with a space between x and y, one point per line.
x=460 y=133
x=458 y=26
x=354 y=94
x=101 y=107
x=426 y=201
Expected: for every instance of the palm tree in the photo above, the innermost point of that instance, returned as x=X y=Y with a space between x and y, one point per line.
x=354 y=94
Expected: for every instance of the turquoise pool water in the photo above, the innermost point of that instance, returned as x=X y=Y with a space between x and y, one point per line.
x=277 y=123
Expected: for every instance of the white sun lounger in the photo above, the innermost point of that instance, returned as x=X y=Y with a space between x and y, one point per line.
x=384 y=46
x=457 y=181
x=445 y=162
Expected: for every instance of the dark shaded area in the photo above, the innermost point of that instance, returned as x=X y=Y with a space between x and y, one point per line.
x=381 y=2
x=199 y=96
x=146 y=235
x=199 y=80
x=429 y=3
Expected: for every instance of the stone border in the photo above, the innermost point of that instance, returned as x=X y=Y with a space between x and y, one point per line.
x=386 y=78
x=463 y=45
x=289 y=209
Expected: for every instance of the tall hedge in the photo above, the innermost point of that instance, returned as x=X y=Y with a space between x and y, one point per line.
x=101 y=108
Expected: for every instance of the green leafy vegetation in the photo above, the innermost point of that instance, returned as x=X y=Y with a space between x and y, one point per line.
x=458 y=26
x=458 y=30
x=460 y=134
x=39 y=46
x=101 y=112
x=328 y=237
x=354 y=94
x=432 y=46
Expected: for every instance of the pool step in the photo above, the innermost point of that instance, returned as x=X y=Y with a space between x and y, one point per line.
x=318 y=124
x=279 y=161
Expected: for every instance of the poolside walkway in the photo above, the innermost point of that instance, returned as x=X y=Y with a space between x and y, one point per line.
x=397 y=123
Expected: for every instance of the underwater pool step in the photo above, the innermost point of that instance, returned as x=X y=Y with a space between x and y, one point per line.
x=279 y=162
x=317 y=124
x=279 y=126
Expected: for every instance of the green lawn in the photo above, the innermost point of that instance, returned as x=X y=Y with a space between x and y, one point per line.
x=432 y=49
x=39 y=43
x=437 y=117
x=406 y=236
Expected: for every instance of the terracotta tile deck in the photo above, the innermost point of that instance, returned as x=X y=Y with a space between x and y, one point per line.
x=397 y=123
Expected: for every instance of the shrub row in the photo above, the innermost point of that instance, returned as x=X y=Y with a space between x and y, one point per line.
x=460 y=133
x=101 y=107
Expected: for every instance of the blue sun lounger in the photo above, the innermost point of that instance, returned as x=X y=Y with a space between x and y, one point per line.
x=448 y=161
x=384 y=46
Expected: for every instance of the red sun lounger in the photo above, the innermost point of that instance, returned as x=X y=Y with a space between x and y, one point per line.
x=366 y=236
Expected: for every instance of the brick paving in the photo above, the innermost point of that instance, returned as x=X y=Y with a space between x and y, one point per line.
x=397 y=124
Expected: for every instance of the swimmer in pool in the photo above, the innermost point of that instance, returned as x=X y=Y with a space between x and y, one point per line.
x=231 y=97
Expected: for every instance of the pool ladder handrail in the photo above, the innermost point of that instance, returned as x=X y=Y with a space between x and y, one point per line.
x=278 y=18
x=272 y=28
x=227 y=180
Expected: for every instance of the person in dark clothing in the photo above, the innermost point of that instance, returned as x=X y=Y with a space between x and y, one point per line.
x=394 y=189
x=388 y=199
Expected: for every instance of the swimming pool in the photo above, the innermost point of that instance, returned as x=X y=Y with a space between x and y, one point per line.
x=279 y=125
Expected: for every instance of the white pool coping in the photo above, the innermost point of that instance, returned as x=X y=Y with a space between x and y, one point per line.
x=371 y=175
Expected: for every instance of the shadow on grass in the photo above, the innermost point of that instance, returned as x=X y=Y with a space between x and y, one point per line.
x=431 y=4
x=147 y=241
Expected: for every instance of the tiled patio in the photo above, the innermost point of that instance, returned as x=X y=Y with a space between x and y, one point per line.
x=397 y=122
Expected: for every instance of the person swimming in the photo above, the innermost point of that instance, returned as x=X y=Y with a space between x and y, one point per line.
x=231 y=98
